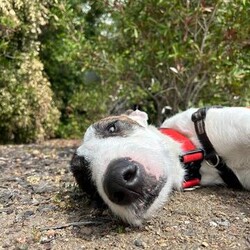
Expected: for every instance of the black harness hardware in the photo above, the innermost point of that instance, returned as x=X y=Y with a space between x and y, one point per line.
x=192 y=170
x=210 y=155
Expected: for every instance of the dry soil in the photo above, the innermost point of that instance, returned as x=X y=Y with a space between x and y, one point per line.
x=41 y=208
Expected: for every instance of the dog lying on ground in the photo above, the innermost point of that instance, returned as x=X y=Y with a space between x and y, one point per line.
x=133 y=166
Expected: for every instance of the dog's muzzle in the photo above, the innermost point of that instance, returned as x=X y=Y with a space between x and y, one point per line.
x=124 y=181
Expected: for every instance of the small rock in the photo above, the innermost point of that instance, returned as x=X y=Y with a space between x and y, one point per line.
x=44 y=240
x=213 y=224
x=28 y=213
x=51 y=233
x=35 y=202
x=7 y=210
x=127 y=229
x=35 y=152
x=164 y=244
x=245 y=220
x=224 y=223
x=204 y=244
x=139 y=243
x=33 y=179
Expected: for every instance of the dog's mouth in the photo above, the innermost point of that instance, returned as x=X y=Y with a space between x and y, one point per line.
x=126 y=183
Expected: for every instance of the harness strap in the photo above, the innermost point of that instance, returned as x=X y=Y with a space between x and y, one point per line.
x=191 y=158
x=212 y=158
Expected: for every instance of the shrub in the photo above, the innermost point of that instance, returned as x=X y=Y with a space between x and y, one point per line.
x=27 y=111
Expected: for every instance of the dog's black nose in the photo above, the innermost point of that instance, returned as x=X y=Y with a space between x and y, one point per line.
x=123 y=181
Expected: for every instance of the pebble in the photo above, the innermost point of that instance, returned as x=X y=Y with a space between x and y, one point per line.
x=35 y=202
x=224 y=223
x=127 y=229
x=51 y=233
x=35 y=152
x=7 y=210
x=213 y=224
x=44 y=240
x=139 y=243
x=27 y=214
x=245 y=220
x=204 y=244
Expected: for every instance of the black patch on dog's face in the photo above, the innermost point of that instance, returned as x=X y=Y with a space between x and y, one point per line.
x=79 y=166
x=115 y=126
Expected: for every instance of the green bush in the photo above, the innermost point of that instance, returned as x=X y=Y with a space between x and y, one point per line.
x=27 y=111
x=182 y=53
x=71 y=54
x=91 y=58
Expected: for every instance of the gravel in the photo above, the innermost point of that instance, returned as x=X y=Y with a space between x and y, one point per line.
x=41 y=208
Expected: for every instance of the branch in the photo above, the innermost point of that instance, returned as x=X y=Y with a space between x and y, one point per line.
x=75 y=223
x=206 y=26
x=198 y=88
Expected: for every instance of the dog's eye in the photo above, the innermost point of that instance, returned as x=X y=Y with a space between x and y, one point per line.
x=112 y=128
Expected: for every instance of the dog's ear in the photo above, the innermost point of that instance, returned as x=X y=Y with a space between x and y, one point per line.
x=79 y=166
x=139 y=116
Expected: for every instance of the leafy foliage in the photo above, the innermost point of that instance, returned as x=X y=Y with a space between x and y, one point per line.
x=71 y=55
x=91 y=58
x=180 y=54
x=230 y=74
x=27 y=111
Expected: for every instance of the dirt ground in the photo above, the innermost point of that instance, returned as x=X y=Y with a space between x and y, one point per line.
x=41 y=208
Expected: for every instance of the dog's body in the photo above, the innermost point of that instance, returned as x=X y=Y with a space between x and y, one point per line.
x=134 y=167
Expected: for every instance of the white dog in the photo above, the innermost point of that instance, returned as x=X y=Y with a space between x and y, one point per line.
x=134 y=166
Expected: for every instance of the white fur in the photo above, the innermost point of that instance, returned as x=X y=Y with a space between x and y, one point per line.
x=229 y=132
x=228 y=129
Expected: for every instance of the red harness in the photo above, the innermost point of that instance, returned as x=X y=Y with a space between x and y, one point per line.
x=190 y=156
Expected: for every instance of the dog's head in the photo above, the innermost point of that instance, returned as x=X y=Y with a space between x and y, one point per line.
x=130 y=165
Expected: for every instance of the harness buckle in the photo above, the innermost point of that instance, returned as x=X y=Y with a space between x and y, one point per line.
x=211 y=164
x=199 y=115
x=192 y=155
